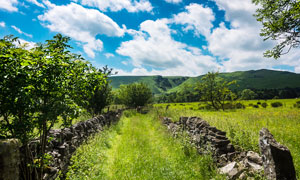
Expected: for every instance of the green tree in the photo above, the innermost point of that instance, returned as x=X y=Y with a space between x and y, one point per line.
x=281 y=22
x=134 y=95
x=215 y=90
x=98 y=89
x=15 y=97
x=39 y=85
x=248 y=94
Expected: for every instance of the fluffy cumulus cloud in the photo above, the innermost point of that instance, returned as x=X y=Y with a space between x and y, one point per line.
x=240 y=46
x=174 y=1
x=196 y=18
x=117 y=5
x=20 y=31
x=81 y=24
x=153 y=46
x=9 y=5
x=2 y=24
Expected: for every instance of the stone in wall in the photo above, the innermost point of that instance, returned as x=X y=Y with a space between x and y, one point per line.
x=63 y=142
x=277 y=159
x=236 y=165
x=9 y=159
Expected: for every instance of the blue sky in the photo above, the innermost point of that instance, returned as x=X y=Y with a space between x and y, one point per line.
x=150 y=37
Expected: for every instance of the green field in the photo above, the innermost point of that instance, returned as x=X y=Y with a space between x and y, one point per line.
x=139 y=147
x=243 y=125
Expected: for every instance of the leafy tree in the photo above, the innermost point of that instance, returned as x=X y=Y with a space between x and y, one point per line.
x=39 y=85
x=15 y=97
x=248 y=94
x=215 y=90
x=281 y=22
x=98 y=91
x=135 y=94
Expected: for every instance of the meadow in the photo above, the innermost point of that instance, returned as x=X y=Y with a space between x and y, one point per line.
x=243 y=125
x=139 y=147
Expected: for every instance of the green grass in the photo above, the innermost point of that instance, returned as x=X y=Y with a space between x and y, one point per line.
x=243 y=125
x=139 y=147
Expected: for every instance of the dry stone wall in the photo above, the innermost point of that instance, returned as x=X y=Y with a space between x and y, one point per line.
x=275 y=159
x=62 y=144
x=65 y=141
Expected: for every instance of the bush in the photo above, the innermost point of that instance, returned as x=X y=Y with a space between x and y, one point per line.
x=250 y=105
x=229 y=106
x=258 y=103
x=239 y=106
x=297 y=105
x=276 y=104
x=264 y=105
x=256 y=106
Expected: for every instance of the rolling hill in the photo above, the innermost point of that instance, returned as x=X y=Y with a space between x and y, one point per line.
x=258 y=79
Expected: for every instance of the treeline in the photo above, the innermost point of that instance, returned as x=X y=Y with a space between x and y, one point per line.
x=190 y=94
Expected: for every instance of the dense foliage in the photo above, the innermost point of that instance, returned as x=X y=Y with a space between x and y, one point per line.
x=41 y=84
x=215 y=90
x=281 y=22
x=248 y=94
x=134 y=95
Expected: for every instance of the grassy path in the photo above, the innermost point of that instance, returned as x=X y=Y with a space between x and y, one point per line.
x=138 y=147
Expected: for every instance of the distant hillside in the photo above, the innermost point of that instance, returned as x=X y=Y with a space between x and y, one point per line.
x=158 y=84
x=258 y=79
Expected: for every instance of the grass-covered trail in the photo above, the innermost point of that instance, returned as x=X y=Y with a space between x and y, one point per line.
x=139 y=147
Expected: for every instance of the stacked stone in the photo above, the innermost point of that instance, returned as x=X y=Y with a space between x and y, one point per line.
x=204 y=136
x=63 y=142
x=210 y=139
x=277 y=159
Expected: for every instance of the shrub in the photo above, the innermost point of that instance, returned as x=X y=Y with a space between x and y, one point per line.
x=297 y=105
x=276 y=104
x=239 y=106
x=256 y=106
x=250 y=105
x=258 y=103
x=229 y=106
x=264 y=104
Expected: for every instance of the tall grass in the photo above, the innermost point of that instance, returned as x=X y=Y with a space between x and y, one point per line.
x=243 y=125
x=139 y=147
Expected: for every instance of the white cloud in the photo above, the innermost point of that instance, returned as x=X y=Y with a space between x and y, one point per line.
x=109 y=55
x=117 y=5
x=240 y=46
x=196 y=18
x=2 y=24
x=20 y=31
x=36 y=3
x=154 y=47
x=174 y=1
x=9 y=5
x=25 y=44
x=81 y=24
x=239 y=13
